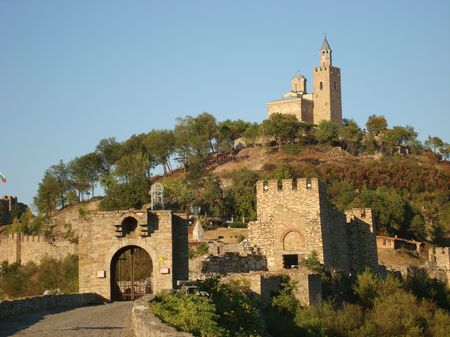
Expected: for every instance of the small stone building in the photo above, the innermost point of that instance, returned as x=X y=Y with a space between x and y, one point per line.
x=294 y=219
x=394 y=243
x=106 y=236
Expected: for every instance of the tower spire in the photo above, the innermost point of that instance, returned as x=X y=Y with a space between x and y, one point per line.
x=325 y=53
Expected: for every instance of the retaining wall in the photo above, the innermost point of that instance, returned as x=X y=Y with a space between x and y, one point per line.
x=36 y=303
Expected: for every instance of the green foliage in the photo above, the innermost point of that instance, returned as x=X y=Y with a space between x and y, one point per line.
x=237 y=225
x=283 y=127
x=293 y=148
x=240 y=197
x=312 y=262
x=424 y=287
x=376 y=125
x=351 y=136
x=230 y=311
x=367 y=288
x=327 y=132
x=200 y=250
x=190 y=313
x=178 y=194
x=31 y=279
x=161 y=144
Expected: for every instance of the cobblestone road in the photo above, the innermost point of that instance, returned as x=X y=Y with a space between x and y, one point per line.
x=111 y=319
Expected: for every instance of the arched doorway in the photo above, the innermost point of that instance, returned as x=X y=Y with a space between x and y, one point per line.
x=131 y=274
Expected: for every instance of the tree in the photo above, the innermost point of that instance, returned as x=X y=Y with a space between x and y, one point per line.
x=389 y=207
x=327 y=132
x=55 y=190
x=398 y=136
x=241 y=195
x=376 y=125
x=351 y=136
x=211 y=196
x=229 y=131
x=84 y=173
x=438 y=146
x=283 y=127
x=161 y=144
x=251 y=133
x=109 y=152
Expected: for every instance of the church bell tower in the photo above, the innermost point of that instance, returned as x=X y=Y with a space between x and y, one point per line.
x=327 y=88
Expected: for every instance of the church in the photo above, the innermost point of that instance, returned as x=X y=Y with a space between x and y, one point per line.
x=324 y=103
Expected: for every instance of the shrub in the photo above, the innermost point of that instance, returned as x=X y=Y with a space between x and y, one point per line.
x=190 y=313
x=200 y=250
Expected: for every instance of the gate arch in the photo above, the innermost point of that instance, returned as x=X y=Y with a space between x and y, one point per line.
x=131 y=271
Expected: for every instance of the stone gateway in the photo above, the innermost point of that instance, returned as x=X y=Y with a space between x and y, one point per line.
x=158 y=238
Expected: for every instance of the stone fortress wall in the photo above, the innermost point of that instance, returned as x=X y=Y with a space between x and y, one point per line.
x=294 y=219
x=32 y=248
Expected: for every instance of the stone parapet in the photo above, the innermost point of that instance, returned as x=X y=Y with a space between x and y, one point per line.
x=44 y=302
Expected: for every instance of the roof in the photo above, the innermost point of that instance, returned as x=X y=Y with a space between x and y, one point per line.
x=285 y=99
x=325 y=45
x=298 y=75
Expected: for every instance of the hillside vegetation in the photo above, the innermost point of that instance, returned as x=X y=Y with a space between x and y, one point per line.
x=388 y=169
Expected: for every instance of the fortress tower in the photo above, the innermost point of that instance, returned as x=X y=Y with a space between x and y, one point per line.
x=324 y=103
x=294 y=220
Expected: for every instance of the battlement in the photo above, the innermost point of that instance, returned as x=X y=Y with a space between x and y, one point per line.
x=288 y=185
x=23 y=238
x=362 y=214
x=441 y=256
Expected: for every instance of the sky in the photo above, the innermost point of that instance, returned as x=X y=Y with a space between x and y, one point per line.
x=75 y=71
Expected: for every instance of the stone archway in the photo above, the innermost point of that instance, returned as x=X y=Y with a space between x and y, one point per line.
x=131 y=273
x=293 y=241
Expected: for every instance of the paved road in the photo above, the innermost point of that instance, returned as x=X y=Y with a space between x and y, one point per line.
x=111 y=319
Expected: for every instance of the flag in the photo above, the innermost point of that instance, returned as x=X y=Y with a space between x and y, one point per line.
x=2 y=177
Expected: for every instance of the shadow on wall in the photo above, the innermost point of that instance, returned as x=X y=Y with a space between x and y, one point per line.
x=234 y=263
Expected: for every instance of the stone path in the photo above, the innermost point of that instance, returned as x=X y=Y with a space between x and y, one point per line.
x=112 y=319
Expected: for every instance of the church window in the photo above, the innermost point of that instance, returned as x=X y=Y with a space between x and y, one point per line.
x=321 y=85
x=335 y=85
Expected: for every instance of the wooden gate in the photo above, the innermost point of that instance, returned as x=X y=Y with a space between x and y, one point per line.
x=131 y=274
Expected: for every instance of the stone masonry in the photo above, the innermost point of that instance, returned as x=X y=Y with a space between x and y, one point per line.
x=162 y=234
x=294 y=219
x=32 y=248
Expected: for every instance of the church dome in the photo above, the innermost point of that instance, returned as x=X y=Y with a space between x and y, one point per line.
x=298 y=75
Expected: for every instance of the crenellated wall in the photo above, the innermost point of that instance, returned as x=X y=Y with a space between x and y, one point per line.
x=295 y=219
x=25 y=248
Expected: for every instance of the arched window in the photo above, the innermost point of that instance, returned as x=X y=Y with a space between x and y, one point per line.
x=129 y=225
x=321 y=85
x=335 y=85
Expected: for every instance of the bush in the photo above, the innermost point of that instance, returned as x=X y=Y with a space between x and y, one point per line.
x=31 y=279
x=200 y=250
x=293 y=148
x=190 y=313
x=230 y=311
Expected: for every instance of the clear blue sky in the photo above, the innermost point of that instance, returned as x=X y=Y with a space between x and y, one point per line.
x=73 y=72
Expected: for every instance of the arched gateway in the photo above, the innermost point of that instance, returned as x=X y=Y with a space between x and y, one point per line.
x=125 y=254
